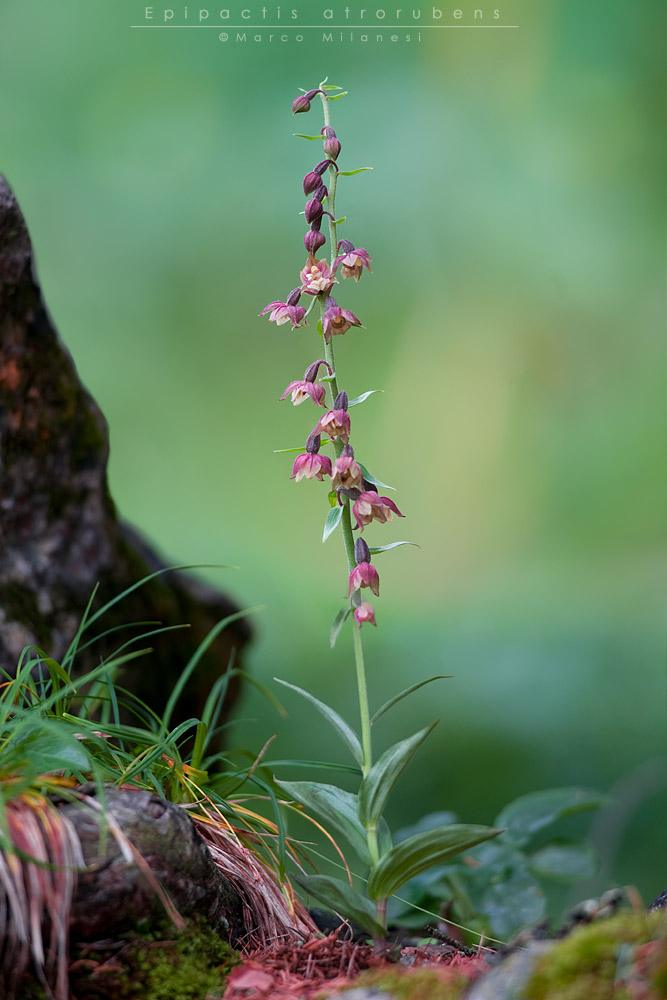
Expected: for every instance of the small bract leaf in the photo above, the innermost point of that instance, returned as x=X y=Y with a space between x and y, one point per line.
x=300 y=135
x=343 y=218
x=364 y=396
x=337 y=808
x=337 y=97
x=338 y=623
x=329 y=378
x=333 y=519
x=403 y=694
x=285 y=451
x=347 y=734
x=415 y=855
x=394 y=545
x=344 y=900
x=319 y=327
x=329 y=86
x=332 y=497
x=348 y=173
x=372 y=479
x=530 y=813
x=377 y=785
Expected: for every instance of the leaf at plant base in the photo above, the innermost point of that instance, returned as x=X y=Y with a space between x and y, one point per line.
x=343 y=899
x=512 y=903
x=364 y=396
x=335 y=806
x=51 y=746
x=370 y=478
x=338 y=623
x=564 y=862
x=394 y=545
x=413 y=856
x=332 y=521
x=530 y=813
x=347 y=734
x=377 y=785
x=403 y=694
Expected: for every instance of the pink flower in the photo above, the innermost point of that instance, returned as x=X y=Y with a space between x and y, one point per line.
x=301 y=390
x=365 y=613
x=312 y=466
x=316 y=277
x=337 y=320
x=352 y=260
x=335 y=423
x=346 y=472
x=364 y=575
x=282 y=313
x=370 y=507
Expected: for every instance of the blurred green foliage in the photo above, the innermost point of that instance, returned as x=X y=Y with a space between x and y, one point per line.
x=514 y=319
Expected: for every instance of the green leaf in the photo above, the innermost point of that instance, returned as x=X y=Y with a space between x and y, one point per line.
x=329 y=378
x=300 y=135
x=364 y=396
x=377 y=785
x=343 y=218
x=565 y=862
x=347 y=734
x=399 y=697
x=319 y=328
x=348 y=173
x=530 y=813
x=336 y=807
x=285 y=451
x=332 y=521
x=371 y=478
x=394 y=545
x=415 y=855
x=51 y=746
x=343 y=899
x=338 y=623
x=333 y=498
x=329 y=86
x=512 y=902
x=337 y=97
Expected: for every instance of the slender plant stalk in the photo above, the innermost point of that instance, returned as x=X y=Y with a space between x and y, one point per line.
x=346 y=522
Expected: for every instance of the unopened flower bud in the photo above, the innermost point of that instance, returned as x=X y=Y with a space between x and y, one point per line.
x=348 y=451
x=345 y=246
x=311 y=182
x=312 y=447
x=313 y=210
x=293 y=297
x=324 y=165
x=311 y=371
x=340 y=403
x=332 y=147
x=361 y=551
x=313 y=241
x=327 y=132
x=302 y=102
x=321 y=193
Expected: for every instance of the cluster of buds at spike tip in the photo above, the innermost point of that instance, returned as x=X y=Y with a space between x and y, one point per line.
x=288 y=311
x=306 y=388
x=314 y=210
x=351 y=260
x=311 y=465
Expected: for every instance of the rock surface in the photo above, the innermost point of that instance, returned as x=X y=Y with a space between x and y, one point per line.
x=60 y=534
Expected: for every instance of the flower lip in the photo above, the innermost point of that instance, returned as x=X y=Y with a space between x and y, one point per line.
x=316 y=277
x=304 y=389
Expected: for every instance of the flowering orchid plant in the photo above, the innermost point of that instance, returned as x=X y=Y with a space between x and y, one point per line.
x=353 y=494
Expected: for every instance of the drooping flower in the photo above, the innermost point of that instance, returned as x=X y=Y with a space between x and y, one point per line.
x=287 y=311
x=303 y=390
x=364 y=575
x=351 y=260
x=370 y=507
x=336 y=320
x=365 y=613
x=335 y=423
x=311 y=465
x=313 y=241
x=316 y=277
x=302 y=102
x=346 y=473
x=331 y=143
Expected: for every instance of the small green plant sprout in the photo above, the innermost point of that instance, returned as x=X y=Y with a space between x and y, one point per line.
x=353 y=504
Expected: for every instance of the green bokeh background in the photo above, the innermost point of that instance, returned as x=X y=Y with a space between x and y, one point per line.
x=514 y=320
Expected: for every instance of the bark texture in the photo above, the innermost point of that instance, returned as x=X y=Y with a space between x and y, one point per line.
x=59 y=530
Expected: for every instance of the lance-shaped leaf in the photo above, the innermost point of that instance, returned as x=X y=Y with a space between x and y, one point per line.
x=370 y=478
x=420 y=852
x=403 y=694
x=346 y=901
x=530 y=813
x=348 y=173
x=338 y=623
x=377 y=785
x=564 y=862
x=364 y=396
x=333 y=519
x=347 y=734
x=335 y=806
x=374 y=549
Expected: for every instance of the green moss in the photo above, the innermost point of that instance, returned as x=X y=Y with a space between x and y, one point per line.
x=434 y=983
x=160 y=964
x=583 y=966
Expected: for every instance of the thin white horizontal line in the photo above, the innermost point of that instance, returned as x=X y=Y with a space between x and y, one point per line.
x=325 y=27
